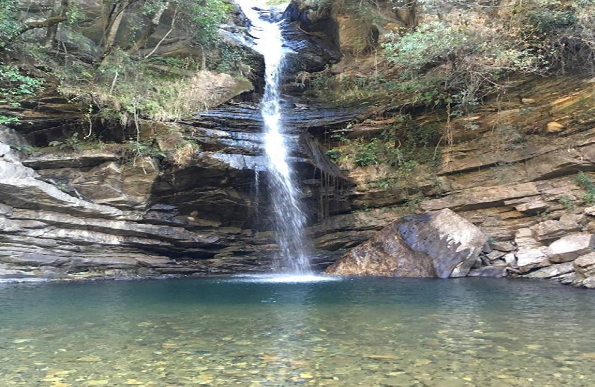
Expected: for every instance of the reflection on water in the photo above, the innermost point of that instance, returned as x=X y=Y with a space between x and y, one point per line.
x=257 y=332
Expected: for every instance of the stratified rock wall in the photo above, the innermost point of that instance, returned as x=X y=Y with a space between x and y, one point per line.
x=90 y=215
x=525 y=182
x=110 y=212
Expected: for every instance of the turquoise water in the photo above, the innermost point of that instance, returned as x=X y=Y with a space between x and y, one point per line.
x=354 y=332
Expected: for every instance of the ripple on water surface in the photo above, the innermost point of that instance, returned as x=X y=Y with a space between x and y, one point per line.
x=247 y=331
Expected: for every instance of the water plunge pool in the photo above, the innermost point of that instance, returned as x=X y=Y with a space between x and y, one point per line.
x=249 y=331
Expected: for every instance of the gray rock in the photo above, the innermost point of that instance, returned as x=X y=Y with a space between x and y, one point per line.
x=487 y=248
x=573 y=218
x=495 y=254
x=503 y=246
x=534 y=205
x=35 y=259
x=435 y=244
x=10 y=137
x=552 y=271
x=530 y=253
x=570 y=247
x=585 y=266
x=87 y=159
x=589 y=282
x=109 y=261
x=551 y=230
x=568 y=279
x=488 y=271
x=589 y=211
x=510 y=260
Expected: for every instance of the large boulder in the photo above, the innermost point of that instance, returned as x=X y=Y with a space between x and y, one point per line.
x=434 y=244
x=570 y=247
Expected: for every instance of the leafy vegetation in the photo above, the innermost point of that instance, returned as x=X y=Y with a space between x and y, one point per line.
x=71 y=143
x=468 y=60
x=7 y=120
x=9 y=26
x=567 y=202
x=454 y=56
x=459 y=52
x=560 y=31
x=403 y=145
x=123 y=73
x=145 y=149
x=14 y=86
x=586 y=183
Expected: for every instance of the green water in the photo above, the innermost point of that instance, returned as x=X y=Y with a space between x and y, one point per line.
x=360 y=332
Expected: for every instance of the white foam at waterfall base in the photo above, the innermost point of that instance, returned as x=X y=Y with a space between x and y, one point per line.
x=284 y=278
x=289 y=218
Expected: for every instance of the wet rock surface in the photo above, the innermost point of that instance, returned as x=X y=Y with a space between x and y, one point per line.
x=312 y=36
x=95 y=213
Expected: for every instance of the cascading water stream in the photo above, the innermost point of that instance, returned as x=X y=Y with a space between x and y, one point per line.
x=289 y=218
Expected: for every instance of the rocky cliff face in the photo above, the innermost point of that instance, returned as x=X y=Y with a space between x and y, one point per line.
x=111 y=212
x=512 y=169
x=129 y=206
x=520 y=169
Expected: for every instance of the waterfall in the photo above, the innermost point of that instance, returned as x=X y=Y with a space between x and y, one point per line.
x=289 y=218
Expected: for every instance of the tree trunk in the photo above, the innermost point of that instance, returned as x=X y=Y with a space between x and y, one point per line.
x=113 y=24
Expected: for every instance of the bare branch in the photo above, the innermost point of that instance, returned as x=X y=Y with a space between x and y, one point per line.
x=42 y=24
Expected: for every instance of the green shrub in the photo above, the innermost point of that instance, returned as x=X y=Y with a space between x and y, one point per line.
x=146 y=149
x=560 y=31
x=9 y=26
x=14 y=85
x=430 y=44
x=567 y=202
x=334 y=154
x=7 y=120
x=202 y=18
x=71 y=143
x=367 y=153
x=472 y=59
x=404 y=144
x=586 y=184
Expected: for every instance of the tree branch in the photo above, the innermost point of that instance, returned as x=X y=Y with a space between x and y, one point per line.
x=42 y=24
x=173 y=21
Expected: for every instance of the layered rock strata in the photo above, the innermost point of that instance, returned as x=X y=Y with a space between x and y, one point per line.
x=525 y=186
x=110 y=212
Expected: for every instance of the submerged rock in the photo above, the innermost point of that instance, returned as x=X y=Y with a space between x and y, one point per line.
x=435 y=244
x=488 y=271
x=552 y=271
